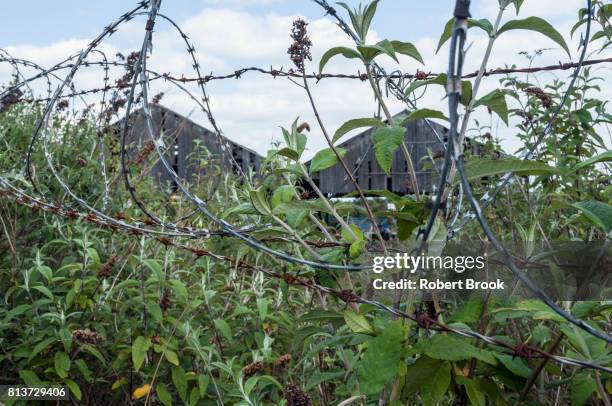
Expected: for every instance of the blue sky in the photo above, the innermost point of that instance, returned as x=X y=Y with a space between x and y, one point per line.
x=229 y=34
x=64 y=19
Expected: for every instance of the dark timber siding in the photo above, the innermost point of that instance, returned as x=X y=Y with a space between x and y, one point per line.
x=182 y=132
x=361 y=160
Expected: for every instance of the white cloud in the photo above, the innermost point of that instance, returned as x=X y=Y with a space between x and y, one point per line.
x=251 y=109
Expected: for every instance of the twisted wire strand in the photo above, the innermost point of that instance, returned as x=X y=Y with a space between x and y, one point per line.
x=423 y=321
x=141 y=78
x=508 y=178
x=453 y=96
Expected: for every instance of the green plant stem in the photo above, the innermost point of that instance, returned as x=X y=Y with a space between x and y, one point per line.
x=297 y=237
x=602 y=390
x=536 y=372
x=346 y=169
x=327 y=204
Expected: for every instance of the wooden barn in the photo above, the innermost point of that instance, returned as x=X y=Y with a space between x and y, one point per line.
x=421 y=142
x=181 y=137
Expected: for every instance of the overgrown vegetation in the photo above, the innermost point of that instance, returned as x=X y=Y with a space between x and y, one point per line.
x=128 y=316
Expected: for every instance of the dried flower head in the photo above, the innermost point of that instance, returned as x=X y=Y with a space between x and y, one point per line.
x=300 y=49
x=253 y=368
x=157 y=98
x=282 y=361
x=165 y=302
x=294 y=396
x=107 y=268
x=145 y=151
x=87 y=336
x=62 y=105
x=540 y=94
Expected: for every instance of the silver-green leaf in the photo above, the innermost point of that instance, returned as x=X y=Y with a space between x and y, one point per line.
x=539 y=25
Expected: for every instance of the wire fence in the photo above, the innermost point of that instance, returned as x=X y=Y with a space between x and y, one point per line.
x=133 y=89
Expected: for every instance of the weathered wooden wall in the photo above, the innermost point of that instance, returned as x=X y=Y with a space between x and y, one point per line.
x=183 y=133
x=361 y=159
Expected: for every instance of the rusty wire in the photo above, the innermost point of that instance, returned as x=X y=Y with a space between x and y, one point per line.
x=142 y=77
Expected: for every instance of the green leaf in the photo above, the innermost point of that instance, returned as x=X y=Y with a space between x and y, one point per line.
x=179 y=379
x=354 y=124
x=325 y=159
x=283 y=194
x=469 y=312
x=480 y=168
x=357 y=323
x=84 y=370
x=163 y=395
x=496 y=101
x=582 y=387
x=380 y=362
x=320 y=377
x=517 y=5
x=62 y=364
x=369 y=52
x=44 y=290
x=437 y=80
x=368 y=15
x=203 y=384
x=74 y=388
x=473 y=390
x=140 y=346
x=262 y=306
x=450 y=348
x=356 y=248
x=344 y=51
x=289 y=153
x=179 y=288
x=434 y=390
x=604 y=157
x=536 y=24
x=515 y=365
x=41 y=346
x=224 y=328
x=446 y=34
x=483 y=24
x=171 y=357
x=423 y=114
x=408 y=49
x=260 y=201
x=243 y=208
x=599 y=213
x=430 y=377
x=29 y=378
x=346 y=236
x=386 y=141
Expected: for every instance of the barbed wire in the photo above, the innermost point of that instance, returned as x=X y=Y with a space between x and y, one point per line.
x=155 y=227
x=423 y=320
x=454 y=145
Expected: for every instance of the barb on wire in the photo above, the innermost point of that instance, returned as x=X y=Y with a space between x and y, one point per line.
x=520 y=350
x=453 y=96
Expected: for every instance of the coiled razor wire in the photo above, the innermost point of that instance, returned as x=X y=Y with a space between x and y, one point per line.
x=141 y=77
x=454 y=93
x=423 y=320
x=453 y=147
